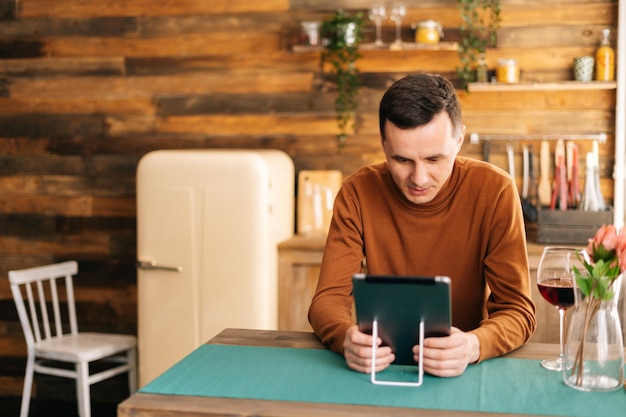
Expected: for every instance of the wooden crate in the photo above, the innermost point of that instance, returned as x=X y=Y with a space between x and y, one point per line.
x=570 y=226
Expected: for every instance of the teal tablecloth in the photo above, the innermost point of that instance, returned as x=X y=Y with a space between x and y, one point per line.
x=500 y=385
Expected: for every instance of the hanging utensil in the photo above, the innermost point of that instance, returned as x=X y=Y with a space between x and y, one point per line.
x=574 y=185
x=532 y=188
x=559 y=191
x=563 y=191
x=555 y=189
x=543 y=189
x=486 y=151
x=528 y=208
x=511 y=158
x=525 y=169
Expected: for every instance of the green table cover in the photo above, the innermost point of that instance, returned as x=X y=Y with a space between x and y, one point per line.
x=500 y=385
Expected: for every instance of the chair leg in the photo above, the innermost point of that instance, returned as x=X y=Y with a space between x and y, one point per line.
x=28 y=385
x=132 y=370
x=82 y=389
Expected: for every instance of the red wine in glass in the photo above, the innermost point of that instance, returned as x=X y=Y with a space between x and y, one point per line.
x=558 y=291
x=555 y=275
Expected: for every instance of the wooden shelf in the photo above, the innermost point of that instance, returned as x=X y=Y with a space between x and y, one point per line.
x=548 y=86
x=410 y=46
x=406 y=46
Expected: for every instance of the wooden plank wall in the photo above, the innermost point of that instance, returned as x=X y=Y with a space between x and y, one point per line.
x=87 y=88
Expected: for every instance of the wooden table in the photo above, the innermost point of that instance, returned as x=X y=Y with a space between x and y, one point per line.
x=142 y=405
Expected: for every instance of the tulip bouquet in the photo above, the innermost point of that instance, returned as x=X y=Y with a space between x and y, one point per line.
x=604 y=261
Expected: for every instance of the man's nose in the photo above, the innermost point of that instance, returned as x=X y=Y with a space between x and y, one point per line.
x=419 y=174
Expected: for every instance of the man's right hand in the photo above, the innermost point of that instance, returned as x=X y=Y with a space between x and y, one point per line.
x=357 y=350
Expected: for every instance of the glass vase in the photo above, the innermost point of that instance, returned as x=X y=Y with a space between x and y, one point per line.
x=594 y=350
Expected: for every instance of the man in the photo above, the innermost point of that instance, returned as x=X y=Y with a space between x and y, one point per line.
x=428 y=211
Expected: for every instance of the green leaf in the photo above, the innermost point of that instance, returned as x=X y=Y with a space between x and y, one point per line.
x=584 y=284
x=476 y=34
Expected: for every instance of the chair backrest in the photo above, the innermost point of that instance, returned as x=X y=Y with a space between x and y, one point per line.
x=37 y=300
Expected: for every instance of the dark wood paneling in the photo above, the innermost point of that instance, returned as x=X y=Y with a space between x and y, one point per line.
x=38 y=125
x=265 y=82
x=7 y=9
x=82 y=27
x=62 y=66
x=242 y=103
x=73 y=8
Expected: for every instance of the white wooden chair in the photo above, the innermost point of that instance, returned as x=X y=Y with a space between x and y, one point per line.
x=52 y=335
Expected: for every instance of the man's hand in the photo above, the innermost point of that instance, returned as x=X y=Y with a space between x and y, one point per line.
x=357 y=350
x=449 y=355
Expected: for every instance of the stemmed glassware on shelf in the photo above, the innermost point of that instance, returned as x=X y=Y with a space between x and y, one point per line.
x=397 y=14
x=555 y=280
x=377 y=14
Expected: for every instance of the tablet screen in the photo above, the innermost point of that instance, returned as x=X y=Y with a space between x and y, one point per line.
x=399 y=304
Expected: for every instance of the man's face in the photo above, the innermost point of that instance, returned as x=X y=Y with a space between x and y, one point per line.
x=421 y=159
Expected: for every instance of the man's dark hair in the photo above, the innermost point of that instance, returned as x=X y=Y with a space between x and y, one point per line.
x=416 y=99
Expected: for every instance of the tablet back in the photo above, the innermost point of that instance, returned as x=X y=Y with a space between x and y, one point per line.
x=398 y=304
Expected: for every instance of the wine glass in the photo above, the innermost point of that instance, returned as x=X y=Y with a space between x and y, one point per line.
x=555 y=280
x=377 y=14
x=398 y=12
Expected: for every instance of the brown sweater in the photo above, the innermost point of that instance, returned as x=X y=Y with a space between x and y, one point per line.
x=472 y=231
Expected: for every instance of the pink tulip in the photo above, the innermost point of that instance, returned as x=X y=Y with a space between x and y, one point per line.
x=610 y=246
x=607 y=236
x=621 y=249
x=621 y=257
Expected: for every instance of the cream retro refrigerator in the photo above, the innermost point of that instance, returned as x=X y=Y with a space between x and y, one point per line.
x=208 y=226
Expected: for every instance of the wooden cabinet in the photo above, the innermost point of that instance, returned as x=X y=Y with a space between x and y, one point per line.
x=299 y=261
x=299 y=266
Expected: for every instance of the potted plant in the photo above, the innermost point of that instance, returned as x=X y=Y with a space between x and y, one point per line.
x=480 y=20
x=341 y=35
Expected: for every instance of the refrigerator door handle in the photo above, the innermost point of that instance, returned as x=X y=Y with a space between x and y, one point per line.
x=153 y=265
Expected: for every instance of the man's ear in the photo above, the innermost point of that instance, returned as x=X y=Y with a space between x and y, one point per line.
x=461 y=138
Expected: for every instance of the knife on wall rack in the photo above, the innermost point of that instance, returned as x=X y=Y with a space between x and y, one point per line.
x=559 y=191
x=543 y=189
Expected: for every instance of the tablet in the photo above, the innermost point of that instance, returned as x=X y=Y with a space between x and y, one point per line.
x=398 y=304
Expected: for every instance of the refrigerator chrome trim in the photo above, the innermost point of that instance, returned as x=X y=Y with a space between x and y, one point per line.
x=154 y=265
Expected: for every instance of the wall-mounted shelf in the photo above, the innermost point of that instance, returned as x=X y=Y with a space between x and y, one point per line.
x=370 y=46
x=475 y=137
x=548 y=86
x=411 y=46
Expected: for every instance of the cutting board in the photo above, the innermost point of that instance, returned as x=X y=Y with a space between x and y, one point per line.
x=316 y=195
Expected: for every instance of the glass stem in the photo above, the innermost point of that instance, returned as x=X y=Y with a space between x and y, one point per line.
x=561 y=333
x=398 y=40
x=378 y=34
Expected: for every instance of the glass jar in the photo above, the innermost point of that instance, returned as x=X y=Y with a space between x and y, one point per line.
x=605 y=59
x=311 y=32
x=507 y=71
x=428 y=32
x=481 y=69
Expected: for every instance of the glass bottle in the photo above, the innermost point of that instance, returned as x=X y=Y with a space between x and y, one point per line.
x=481 y=69
x=592 y=199
x=596 y=176
x=605 y=59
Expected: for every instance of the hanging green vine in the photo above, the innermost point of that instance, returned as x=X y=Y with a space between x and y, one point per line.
x=480 y=21
x=341 y=36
